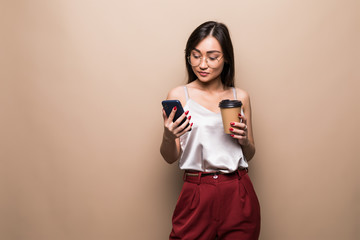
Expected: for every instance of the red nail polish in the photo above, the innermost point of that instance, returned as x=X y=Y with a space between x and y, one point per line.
x=232 y=123
x=186 y=113
x=174 y=108
x=231 y=129
x=239 y=114
x=191 y=124
x=232 y=135
x=189 y=117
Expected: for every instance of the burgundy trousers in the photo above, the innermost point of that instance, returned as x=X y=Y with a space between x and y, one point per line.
x=223 y=207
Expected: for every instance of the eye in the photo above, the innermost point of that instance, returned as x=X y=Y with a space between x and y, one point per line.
x=212 y=58
x=196 y=56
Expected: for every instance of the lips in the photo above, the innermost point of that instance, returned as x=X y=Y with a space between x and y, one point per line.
x=203 y=74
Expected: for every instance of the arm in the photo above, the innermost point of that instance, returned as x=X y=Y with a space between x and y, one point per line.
x=170 y=145
x=244 y=134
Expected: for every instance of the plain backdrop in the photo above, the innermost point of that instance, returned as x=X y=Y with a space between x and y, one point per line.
x=81 y=84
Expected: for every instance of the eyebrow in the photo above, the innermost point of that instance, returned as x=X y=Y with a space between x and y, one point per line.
x=212 y=51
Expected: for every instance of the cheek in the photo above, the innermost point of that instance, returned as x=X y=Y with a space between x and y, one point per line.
x=217 y=71
x=194 y=69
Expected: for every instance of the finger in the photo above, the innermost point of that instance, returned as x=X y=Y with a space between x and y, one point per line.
x=236 y=131
x=243 y=119
x=181 y=126
x=186 y=122
x=164 y=115
x=238 y=137
x=179 y=122
x=239 y=125
x=180 y=119
x=172 y=114
x=186 y=129
x=242 y=140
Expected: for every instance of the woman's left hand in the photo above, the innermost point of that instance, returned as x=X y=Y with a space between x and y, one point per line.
x=239 y=131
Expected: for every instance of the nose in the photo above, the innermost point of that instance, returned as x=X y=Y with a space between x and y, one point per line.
x=203 y=63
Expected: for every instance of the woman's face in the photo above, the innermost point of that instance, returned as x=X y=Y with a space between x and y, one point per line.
x=207 y=60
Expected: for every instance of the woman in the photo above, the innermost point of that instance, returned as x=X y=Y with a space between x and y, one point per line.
x=217 y=200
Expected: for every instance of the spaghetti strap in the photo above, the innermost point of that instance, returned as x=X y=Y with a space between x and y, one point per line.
x=235 y=97
x=234 y=91
x=186 y=93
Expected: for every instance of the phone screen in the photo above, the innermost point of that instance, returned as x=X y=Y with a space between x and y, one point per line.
x=168 y=106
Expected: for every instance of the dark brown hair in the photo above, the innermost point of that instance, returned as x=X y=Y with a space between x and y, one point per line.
x=221 y=33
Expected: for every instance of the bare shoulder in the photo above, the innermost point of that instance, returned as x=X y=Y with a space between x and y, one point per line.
x=243 y=96
x=177 y=93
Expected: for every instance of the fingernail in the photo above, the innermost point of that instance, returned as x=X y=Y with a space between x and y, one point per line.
x=232 y=135
x=189 y=117
x=186 y=113
x=231 y=129
x=232 y=123
x=239 y=114
x=191 y=124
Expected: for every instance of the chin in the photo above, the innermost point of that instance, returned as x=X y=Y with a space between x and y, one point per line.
x=205 y=79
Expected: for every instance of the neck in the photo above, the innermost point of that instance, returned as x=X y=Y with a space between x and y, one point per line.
x=212 y=86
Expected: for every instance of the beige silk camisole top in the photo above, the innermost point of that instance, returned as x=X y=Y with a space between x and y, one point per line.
x=206 y=147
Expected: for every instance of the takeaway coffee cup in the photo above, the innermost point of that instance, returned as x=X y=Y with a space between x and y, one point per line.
x=230 y=110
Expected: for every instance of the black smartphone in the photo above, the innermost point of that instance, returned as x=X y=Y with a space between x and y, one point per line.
x=168 y=106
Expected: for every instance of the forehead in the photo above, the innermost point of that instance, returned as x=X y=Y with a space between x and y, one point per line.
x=208 y=44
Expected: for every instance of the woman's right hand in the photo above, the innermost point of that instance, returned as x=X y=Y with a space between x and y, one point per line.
x=173 y=130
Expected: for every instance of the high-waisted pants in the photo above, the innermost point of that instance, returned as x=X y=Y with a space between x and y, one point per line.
x=223 y=207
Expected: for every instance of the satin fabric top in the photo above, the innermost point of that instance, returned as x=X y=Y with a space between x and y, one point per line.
x=206 y=147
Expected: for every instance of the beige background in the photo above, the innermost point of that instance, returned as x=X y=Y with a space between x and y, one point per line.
x=80 y=92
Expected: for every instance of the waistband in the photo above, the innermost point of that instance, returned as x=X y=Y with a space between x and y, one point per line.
x=211 y=177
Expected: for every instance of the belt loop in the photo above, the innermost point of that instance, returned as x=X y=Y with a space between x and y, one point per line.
x=199 y=178
x=239 y=173
x=184 y=177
